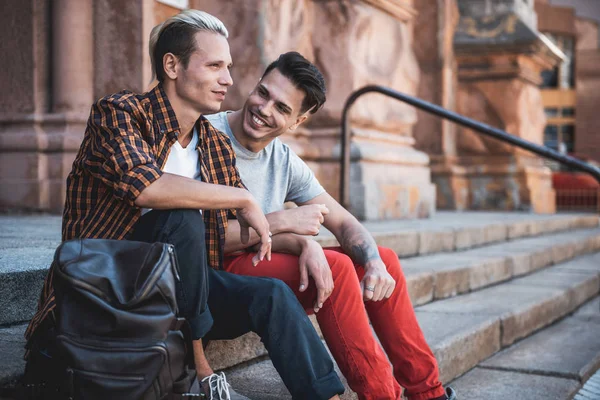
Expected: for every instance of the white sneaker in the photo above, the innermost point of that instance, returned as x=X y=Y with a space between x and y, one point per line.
x=217 y=388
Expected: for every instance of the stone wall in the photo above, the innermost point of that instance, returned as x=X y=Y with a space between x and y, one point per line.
x=64 y=55
x=500 y=56
x=587 y=119
x=354 y=43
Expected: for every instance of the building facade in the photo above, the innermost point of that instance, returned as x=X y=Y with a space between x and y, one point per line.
x=487 y=59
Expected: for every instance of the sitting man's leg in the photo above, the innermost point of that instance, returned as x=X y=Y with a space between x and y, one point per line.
x=184 y=229
x=240 y=304
x=395 y=322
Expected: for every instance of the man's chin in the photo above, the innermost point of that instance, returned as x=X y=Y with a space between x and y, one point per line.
x=211 y=109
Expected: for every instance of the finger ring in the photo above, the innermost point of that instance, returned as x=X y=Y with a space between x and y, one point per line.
x=370 y=288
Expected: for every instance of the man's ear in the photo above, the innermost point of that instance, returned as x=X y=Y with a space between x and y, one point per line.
x=299 y=120
x=170 y=65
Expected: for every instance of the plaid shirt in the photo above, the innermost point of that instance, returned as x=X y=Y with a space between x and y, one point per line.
x=124 y=149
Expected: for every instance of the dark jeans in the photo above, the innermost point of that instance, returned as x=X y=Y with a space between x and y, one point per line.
x=237 y=304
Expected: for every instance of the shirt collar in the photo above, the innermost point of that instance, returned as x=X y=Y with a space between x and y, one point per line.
x=163 y=112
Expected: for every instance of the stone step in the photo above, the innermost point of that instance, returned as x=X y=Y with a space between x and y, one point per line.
x=465 y=330
x=551 y=364
x=444 y=275
x=27 y=245
x=462 y=331
x=455 y=231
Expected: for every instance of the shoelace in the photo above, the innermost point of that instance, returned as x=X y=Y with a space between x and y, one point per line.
x=218 y=385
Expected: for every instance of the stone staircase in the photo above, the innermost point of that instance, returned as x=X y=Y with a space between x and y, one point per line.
x=491 y=292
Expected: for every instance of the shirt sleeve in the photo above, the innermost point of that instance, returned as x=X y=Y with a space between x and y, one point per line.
x=119 y=154
x=236 y=181
x=303 y=185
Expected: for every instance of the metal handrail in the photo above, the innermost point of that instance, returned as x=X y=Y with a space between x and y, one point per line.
x=454 y=117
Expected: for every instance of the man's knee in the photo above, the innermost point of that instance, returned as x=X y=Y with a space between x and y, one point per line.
x=337 y=260
x=273 y=296
x=392 y=263
x=276 y=290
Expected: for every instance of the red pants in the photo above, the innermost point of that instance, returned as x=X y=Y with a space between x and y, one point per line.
x=344 y=321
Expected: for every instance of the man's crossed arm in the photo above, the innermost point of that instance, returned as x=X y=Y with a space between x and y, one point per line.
x=355 y=240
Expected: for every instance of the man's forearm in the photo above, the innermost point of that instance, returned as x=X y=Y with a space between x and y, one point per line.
x=358 y=243
x=173 y=191
x=232 y=237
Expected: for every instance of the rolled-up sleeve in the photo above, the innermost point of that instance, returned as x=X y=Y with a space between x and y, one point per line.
x=119 y=155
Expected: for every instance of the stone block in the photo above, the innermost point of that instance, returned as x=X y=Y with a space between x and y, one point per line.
x=404 y=243
x=495 y=233
x=563 y=251
x=227 y=353
x=12 y=349
x=527 y=319
x=519 y=263
x=450 y=282
x=420 y=286
x=436 y=241
x=501 y=385
x=579 y=278
x=469 y=237
x=451 y=272
x=488 y=272
x=570 y=349
x=459 y=342
x=592 y=244
x=590 y=310
x=540 y=259
x=522 y=309
x=19 y=294
x=519 y=229
x=260 y=381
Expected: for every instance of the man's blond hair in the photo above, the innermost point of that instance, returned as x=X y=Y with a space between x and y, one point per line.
x=176 y=35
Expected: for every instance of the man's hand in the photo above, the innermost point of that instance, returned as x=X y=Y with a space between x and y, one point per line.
x=306 y=220
x=251 y=216
x=377 y=284
x=313 y=262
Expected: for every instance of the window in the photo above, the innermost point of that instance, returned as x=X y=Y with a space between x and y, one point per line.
x=551 y=137
x=562 y=76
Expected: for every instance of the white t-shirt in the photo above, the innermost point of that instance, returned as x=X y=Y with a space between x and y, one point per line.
x=183 y=161
x=275 y=174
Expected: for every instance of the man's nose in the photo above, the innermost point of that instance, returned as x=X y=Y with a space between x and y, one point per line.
x=225 y=78
x=266 y=108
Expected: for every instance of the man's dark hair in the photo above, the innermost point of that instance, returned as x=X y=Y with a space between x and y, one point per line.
x=177 y=35
x=305 y=76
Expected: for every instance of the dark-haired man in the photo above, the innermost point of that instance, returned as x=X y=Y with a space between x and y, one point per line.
x=152 y=168
x=368 y=280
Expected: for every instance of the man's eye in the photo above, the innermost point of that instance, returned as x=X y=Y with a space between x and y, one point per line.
x=262 y=93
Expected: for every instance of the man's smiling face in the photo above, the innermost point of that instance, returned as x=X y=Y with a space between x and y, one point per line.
x=273 y=107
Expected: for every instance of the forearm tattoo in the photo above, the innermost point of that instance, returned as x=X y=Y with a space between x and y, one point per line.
x=360 y=246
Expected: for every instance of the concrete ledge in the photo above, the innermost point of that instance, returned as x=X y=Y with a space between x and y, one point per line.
x=569 y=349
x=473 y=269
x=501 y=385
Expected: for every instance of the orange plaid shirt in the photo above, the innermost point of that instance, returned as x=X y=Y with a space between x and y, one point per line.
x=125 y=146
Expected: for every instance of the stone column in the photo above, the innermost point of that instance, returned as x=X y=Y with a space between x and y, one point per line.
x=434 y=48
x=500 y=57
x=354 y=43
x=72 y=56
x=42 y=130
x=587 y=73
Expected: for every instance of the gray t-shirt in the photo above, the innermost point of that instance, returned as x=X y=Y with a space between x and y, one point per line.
x=275 y=174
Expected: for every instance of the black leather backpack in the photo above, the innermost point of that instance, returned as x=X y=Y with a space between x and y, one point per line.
x=117 y=334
